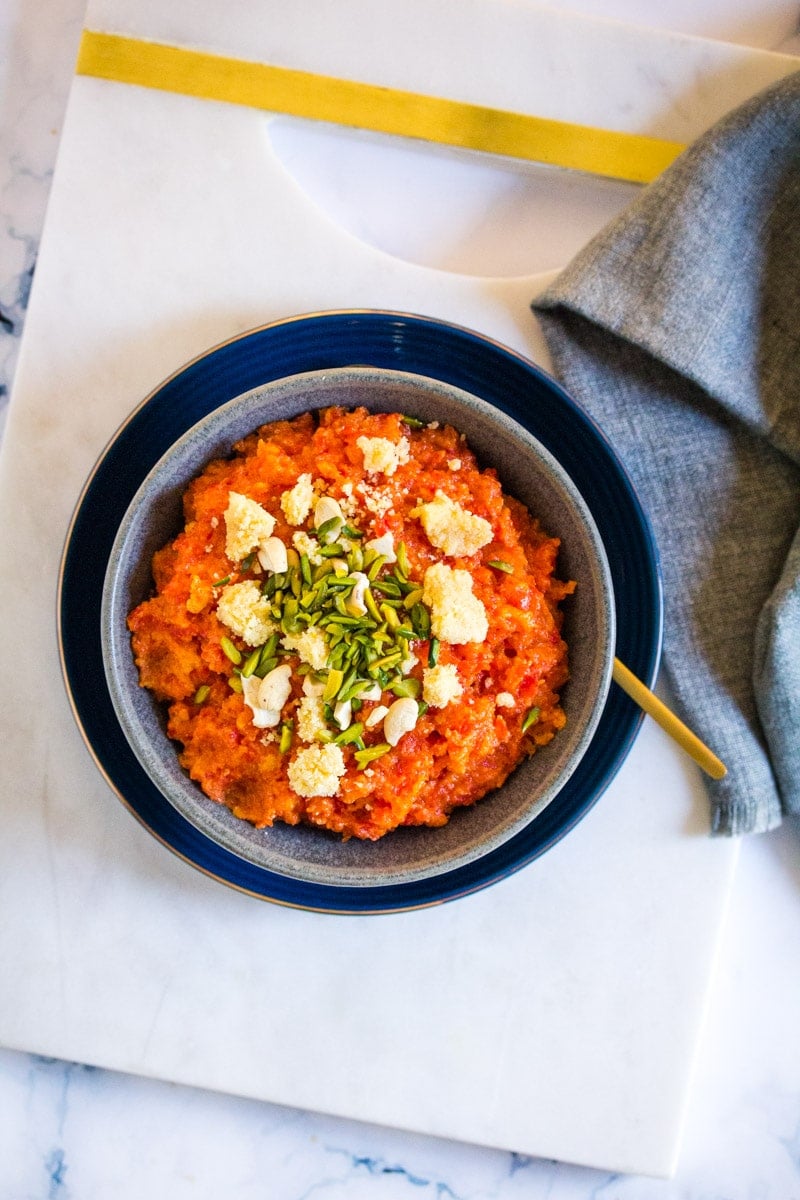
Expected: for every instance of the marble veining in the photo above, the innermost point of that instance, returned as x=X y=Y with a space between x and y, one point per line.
x=72 y=1131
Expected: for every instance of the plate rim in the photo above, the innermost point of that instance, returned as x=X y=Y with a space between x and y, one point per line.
x=477 y=339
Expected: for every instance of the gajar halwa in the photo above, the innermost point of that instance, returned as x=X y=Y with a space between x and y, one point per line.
x=356 y=628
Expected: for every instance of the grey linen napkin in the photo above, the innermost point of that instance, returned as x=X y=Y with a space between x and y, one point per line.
x=678 y=329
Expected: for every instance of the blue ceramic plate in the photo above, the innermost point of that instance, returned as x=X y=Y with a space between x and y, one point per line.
x=321 y=342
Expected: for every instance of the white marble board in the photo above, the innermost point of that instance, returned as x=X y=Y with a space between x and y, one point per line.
x=557 y=1013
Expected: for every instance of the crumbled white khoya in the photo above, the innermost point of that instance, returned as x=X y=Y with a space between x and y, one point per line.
x=247 y=524
x=246 y=612
x=457 y=616
x=452 y=529
x=382 y=456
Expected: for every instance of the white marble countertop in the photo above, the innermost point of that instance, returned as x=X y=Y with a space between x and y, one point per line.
x=73 y=1131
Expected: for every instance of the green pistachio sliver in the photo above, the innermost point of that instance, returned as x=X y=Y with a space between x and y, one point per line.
x=230 y=651
x=221 y=582
x=285 y=743
x=296 y=584
x=235 y=683
x=372 y=607
x=365 y=757
x=375 y=566
x=332 y=685
x=292 y=557
x=412 y=422
x=402 y=560
x=412 y=598
x=390 y=616
x=321 y=570
x=305 y=569
x=421 y=620
x=422 y=708
x=531 y=717
x=202 y=694
x=387 y=587
x=270 y=646
x=351 y=734
x=406 y=687
x=331 y=526
x=336 y=655
x=251 y=662
x=351 y=532
x=333 y=550
x=387 y=660
x=355 y=559
x=349 y=690
x=247 y=563
x=404 y=632
x=265 y=666
x=500 y=564
x=433 y=652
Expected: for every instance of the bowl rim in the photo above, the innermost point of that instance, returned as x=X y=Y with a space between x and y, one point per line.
x=218 y=418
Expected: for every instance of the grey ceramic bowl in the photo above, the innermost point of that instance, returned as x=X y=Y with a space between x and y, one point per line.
x=526 y=470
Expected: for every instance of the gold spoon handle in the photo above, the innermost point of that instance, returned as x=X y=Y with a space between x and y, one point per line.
x=672 y=725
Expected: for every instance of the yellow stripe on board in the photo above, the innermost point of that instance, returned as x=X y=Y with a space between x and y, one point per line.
x=169 y=68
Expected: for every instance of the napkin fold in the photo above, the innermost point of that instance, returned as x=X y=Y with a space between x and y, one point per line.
x=678 y=329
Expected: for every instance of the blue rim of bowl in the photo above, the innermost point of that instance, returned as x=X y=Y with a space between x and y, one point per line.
x=319 y=341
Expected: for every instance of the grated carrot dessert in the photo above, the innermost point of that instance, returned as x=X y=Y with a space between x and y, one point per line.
x=356 y=628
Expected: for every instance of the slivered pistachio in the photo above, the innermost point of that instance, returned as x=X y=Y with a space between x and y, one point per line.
x=265 y=666
x=412 y=422
x=334 y=550
x=351 y=734
x=365 y=757
x=285 y=743
x=421 y=621
x=387 y=587
x=374 y=566
x=355 y=559
x=351 y=532
x=387 y=660
x=412 y=598
x=230 y=651
x=305 y=569
x=406 y=687
x=270 y=646
x=221 y=582
x=372 y=607
x=332 y=685
x=390 y=616
x=331 y=526
x=251 y=662
x=296 y=584
x=500 y=564
x=321 y=570
x=202 y=693
x=422 y=707
x=433 y=652
x=247 y=563
x=235 y=683
x=404 y=632
x=531 y=717
x=292 y=557
x=402 y=560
